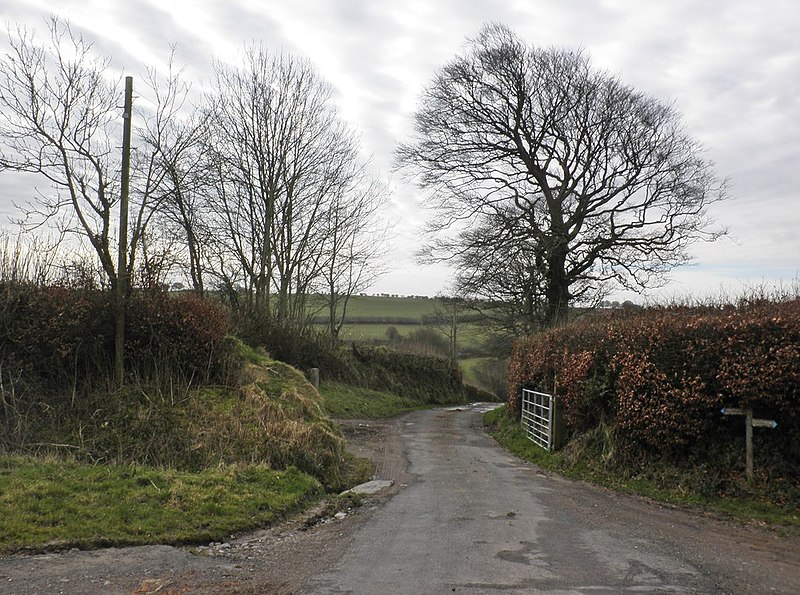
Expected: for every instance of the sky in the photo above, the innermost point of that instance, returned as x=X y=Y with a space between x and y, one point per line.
x=731 y=67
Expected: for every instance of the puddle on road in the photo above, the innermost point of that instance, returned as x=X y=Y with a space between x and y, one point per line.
x=477 y=407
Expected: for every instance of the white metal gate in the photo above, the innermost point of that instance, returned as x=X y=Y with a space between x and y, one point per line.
x=537 y=417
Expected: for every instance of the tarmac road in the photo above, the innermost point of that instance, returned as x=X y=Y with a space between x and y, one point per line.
x=474 y=519
x=463 y=516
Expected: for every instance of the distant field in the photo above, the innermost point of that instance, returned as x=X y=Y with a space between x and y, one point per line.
x=377 y=307
x=373 y=331
x=368 y=318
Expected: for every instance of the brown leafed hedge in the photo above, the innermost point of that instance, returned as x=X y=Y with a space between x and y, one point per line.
x=659 y=377
x=61 y=336
x=190 y=400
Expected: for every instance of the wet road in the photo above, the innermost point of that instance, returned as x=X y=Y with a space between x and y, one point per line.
x=475 y=519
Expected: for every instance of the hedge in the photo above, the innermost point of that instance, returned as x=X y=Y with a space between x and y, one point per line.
x=660 y=376
x=60 y=336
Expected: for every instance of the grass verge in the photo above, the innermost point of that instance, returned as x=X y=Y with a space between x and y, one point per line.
x=509 y=433
x=51 y=504
x=347 y=401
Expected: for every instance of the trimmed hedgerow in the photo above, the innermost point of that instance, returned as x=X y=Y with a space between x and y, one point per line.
x=57 y=336
x=184 y=330
x=659 y=377
x=426 y=379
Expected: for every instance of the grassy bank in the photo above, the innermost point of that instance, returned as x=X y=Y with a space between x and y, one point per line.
x=584 y=461
x=206 y=437
x=51 y=504
x=157 y=462
x=347 y=401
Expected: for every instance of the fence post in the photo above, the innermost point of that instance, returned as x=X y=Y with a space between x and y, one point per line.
x=314 y=373
x=559 y=431
x=748 y=441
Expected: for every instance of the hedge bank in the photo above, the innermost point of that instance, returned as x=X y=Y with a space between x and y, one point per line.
x=657 y=379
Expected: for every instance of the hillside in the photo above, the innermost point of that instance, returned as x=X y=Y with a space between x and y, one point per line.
x=410 y=324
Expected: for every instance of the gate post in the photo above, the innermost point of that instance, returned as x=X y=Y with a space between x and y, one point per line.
x=559 y=429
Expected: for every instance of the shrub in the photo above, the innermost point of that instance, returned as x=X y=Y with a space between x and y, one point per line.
x=292 y=343
x=424 y=378
x=185 y=334
x=660 y=376
x=56 y=355
x=54 y=336
x=59 y=336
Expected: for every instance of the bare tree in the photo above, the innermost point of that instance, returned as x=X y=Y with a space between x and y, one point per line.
x=588 y=180
x=284 y=162
x=449 y=314
x=176 y=172
x=60 y=119
x=354 y=240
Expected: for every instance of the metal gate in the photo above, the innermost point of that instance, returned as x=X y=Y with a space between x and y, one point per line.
x=537 y=417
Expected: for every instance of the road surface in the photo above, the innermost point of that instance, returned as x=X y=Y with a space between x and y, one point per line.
x=463 y=516
x=474 y=519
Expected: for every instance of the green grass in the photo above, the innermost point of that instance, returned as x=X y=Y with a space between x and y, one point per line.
x=509 y=434
x=51 y=504
x=374 y=331
x=389 y=307
x=346 y=401
x=468 y=366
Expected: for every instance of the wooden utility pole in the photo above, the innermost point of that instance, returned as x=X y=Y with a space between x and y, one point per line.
x=122 y=257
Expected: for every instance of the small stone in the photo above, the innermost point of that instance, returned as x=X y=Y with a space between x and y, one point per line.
x=340 y=515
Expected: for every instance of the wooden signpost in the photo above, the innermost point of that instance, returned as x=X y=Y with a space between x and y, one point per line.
x=749 y=424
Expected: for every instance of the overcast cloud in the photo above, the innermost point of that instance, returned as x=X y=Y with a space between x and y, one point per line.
x=732 y=68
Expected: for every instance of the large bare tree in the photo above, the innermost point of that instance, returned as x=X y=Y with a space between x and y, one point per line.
x=531 y=153
x=284 y=164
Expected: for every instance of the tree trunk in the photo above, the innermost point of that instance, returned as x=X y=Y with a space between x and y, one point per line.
x=557 y=287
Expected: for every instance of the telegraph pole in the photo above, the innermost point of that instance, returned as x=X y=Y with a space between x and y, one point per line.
x=122 y=257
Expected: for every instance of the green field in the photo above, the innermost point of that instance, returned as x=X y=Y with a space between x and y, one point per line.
x=379 y=308
x=369 y=317
x=374 y=331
